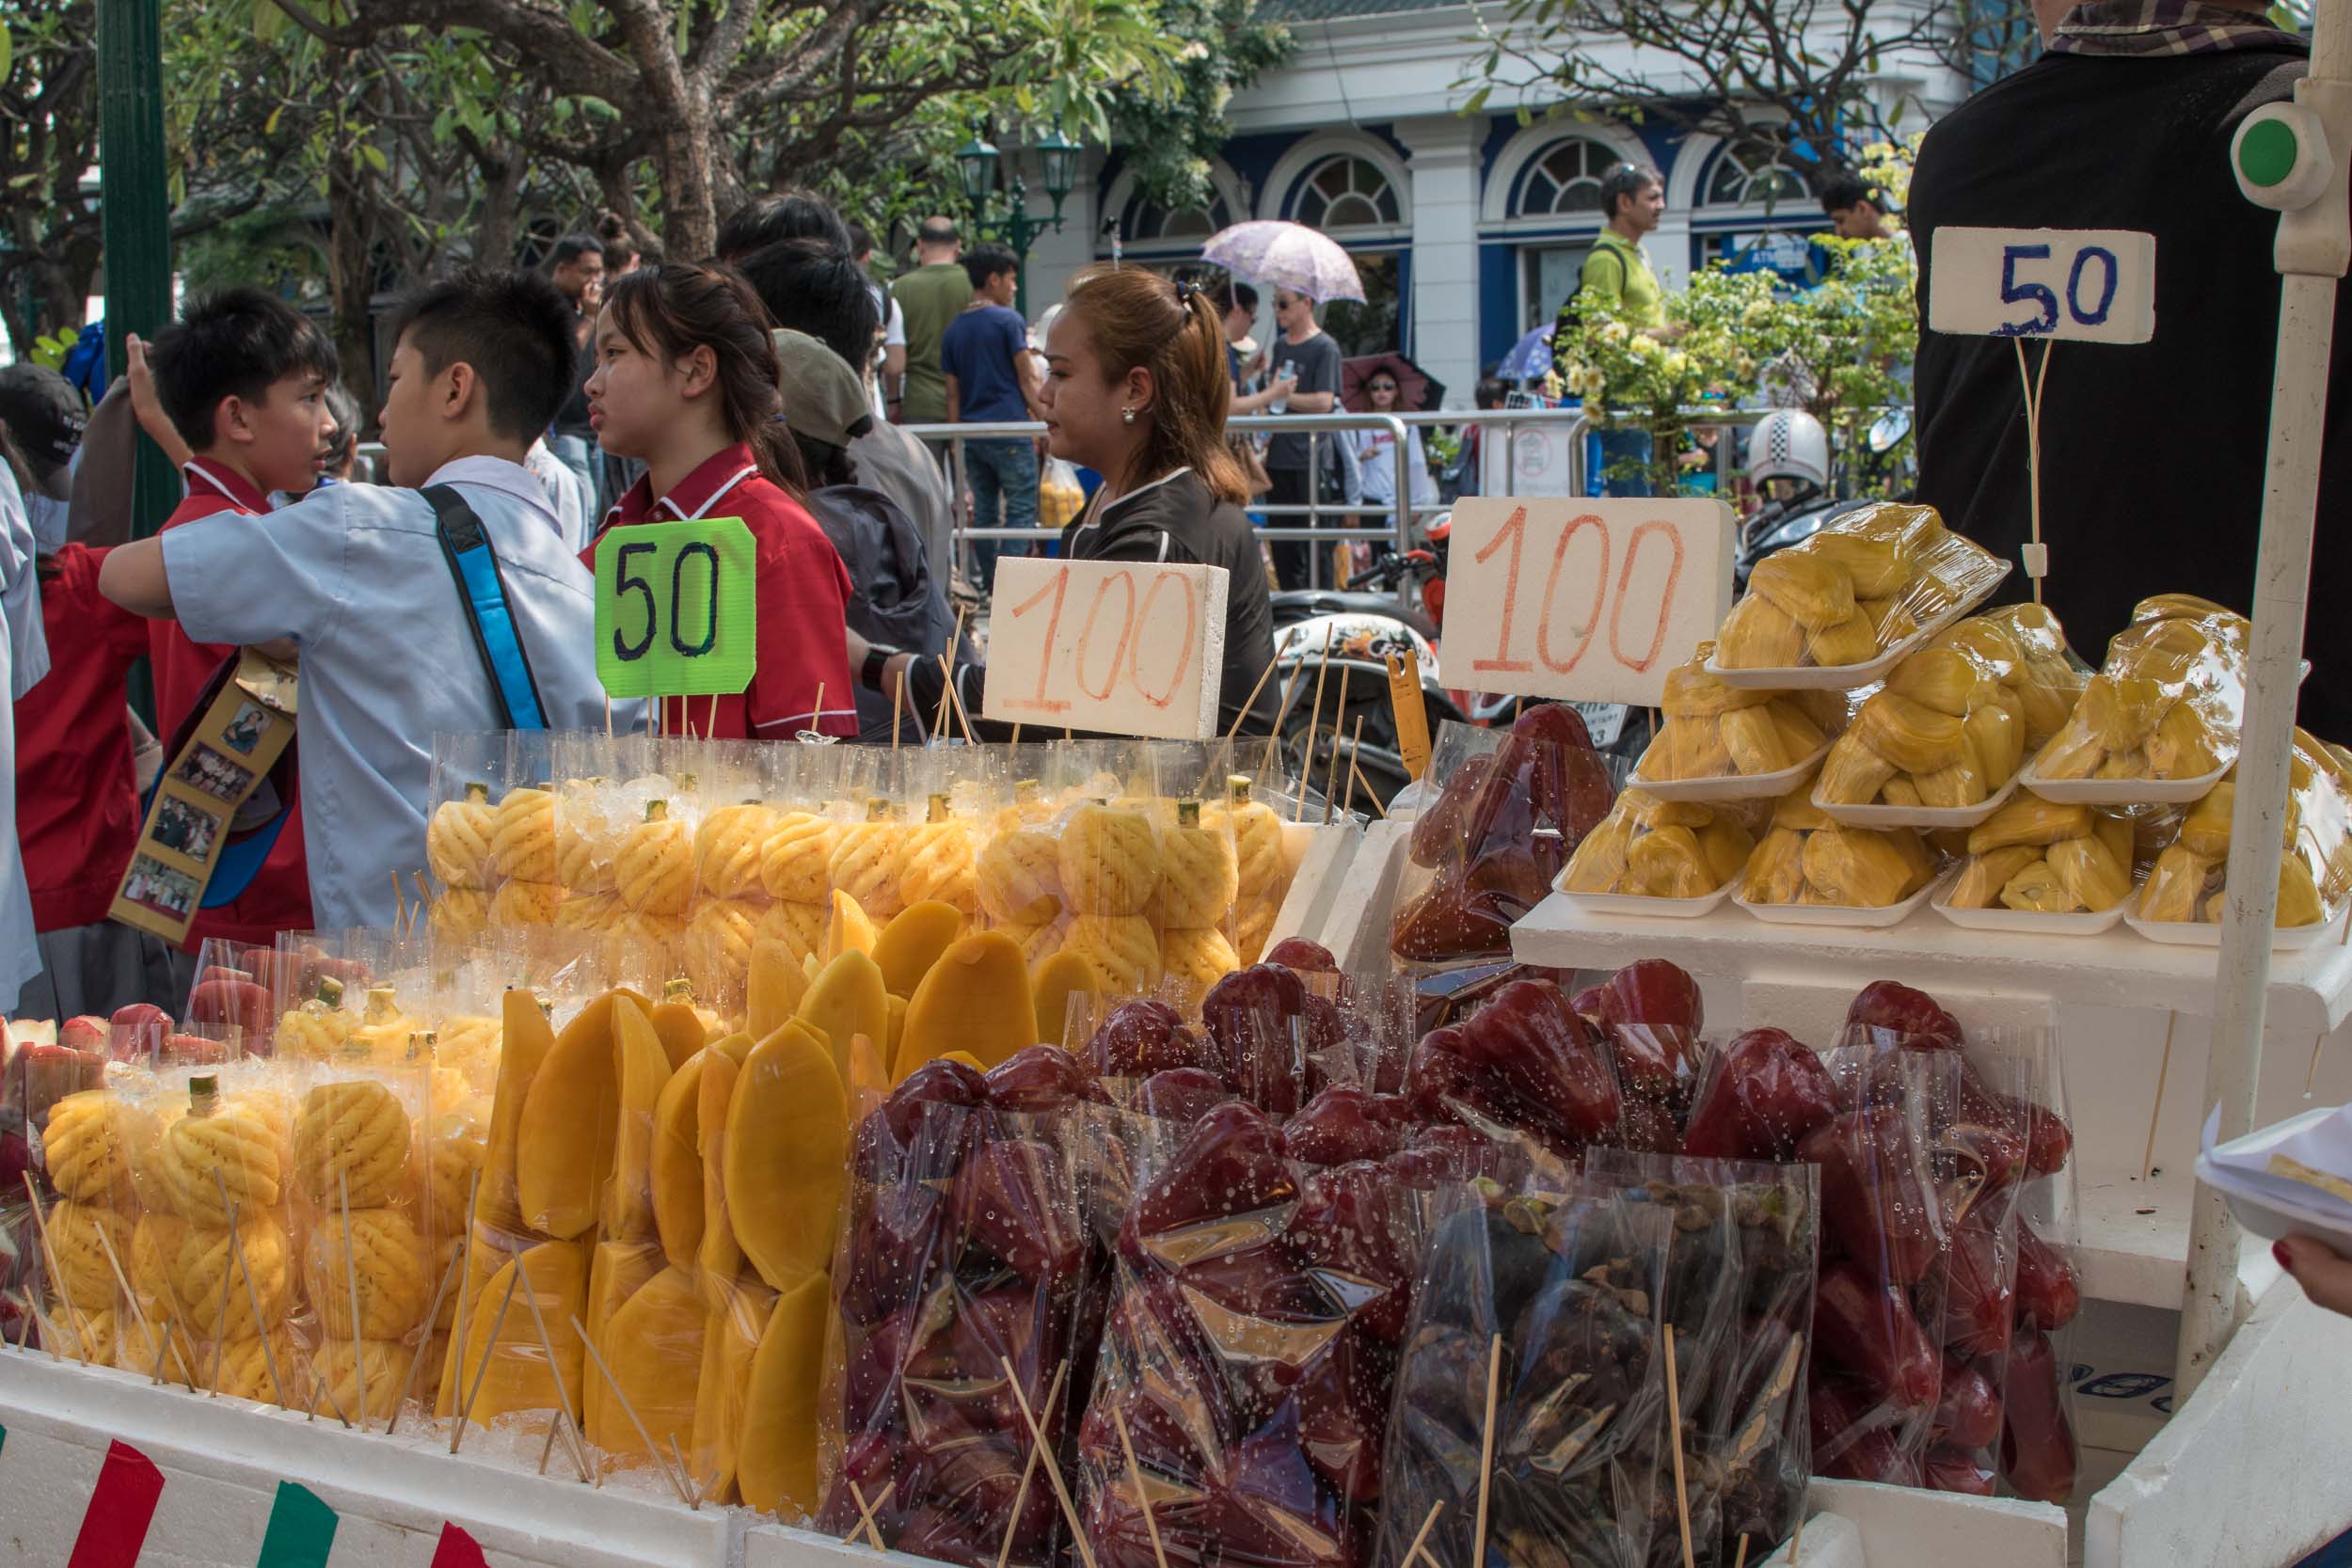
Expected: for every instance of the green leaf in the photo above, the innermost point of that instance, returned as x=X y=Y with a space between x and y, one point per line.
x=375 y=159
x=8 y=52
x=268 y=22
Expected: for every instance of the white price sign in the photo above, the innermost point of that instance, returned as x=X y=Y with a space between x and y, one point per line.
x=2097 y=285
x=1124 y=647
x=1581 y=597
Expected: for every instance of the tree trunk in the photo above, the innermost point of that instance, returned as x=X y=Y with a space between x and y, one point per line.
x=494 y=236
x=689 y=199
x=351 y=283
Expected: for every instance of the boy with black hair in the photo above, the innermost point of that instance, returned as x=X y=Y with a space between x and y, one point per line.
x=576 y=267
x=356 y=575
x=781 y=215
x=243 y=378
x=993 y=377
x=1856 y=210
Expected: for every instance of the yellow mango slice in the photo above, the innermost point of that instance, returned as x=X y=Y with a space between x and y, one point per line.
x=964 y=1056
x=776 y=1461
x=676 y=1161
x=653 y=1347
x=563 y=1149
x=912 y=941
x=977 y=998
x=643 y=1068
x=721 y=1258
x=516 y=1375
x=786 y=1147
x=684 y=1029
x=731 y=1335
x=850 y=929
x=773 y=991
x=847 y=1000
x=617 y=1272
x=898 y=1032
x=1056 y=980
x=529 y=1037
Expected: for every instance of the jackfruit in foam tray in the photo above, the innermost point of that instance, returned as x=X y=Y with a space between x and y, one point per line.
x=2043 y=856
x=1651 y=849
x=1853 y=591
x=1805 y=858
x=2168 y=703
x=2189 y=878
x=1713 y=730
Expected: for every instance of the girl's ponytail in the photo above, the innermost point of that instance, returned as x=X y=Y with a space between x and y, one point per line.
x=671 y=308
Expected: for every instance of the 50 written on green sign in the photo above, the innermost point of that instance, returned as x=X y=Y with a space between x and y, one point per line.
x=677 y=609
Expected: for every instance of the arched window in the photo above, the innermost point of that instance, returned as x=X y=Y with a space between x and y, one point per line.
x=1148 y=221
x=1753 y=173
x=1344 y=192
x=1566 y=181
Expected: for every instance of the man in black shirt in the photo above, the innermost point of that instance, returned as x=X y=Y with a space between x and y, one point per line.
x=2151 y=453
x=1308 y=358
x=576 y=267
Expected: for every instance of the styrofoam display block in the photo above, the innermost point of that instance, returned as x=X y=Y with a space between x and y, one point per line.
x=1357 y=929
x=2250 y=1472
x=1901 y=1526
x=221 y=1461
x=782 y=1546
x=1323 y=854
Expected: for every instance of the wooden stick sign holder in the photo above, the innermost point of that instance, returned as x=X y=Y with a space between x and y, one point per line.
x=1582 y=598
x=677 y=612
x=2093 y=285
x=1124 y=647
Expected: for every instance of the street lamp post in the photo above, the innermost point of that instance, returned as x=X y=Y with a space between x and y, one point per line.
x=976 y=166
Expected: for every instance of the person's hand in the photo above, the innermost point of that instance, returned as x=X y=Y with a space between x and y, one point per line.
x=2325 y=1277
x=145 y=402
x=893 y=679
x=1282 y=385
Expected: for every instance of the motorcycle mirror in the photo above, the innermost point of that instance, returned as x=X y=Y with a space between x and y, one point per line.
x=1888 y=429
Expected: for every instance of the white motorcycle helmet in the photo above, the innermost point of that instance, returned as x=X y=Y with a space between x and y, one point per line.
x=1789 y=444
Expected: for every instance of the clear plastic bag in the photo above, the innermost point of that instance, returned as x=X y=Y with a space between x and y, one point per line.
x=1651 y=849
x=1524 y=1063
x=2167 y=704
x=1805 y=857
x=1513 y=808
x=2027 y=651
x=2188 y=881
x=1555 y=1303
x=2043 y=856
x=1861 y=588
x=1945 y=733
x=1715 y=731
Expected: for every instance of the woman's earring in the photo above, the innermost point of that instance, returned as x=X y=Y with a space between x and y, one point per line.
x=1126 y=416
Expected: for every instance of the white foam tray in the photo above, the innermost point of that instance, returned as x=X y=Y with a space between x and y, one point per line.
x=2026 y=922
x=1841 y=914
x=1848 y=678
x=1737 y=787
x=2199 y=933
x=1915 y=816
x=1641 y=908
x=2120 y=792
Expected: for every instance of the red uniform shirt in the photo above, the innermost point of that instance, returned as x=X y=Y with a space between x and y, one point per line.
x=802 y=592
x=77 y=806
x=278 y=898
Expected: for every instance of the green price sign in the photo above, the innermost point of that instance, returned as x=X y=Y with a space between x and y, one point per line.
x=677 y=609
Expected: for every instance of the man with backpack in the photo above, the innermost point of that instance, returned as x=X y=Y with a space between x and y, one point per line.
x=1616 y=281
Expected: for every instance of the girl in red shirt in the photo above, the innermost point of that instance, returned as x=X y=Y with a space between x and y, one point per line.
x=686 y=381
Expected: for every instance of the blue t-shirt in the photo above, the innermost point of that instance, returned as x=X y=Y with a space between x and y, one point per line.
x=979 y=350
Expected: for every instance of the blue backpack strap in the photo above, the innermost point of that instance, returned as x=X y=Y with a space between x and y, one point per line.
x=473 y=565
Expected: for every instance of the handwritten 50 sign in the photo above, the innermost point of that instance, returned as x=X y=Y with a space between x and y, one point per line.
x=2095 y=285
x=677 y=609
x=1124 y=647
x=1579 y=597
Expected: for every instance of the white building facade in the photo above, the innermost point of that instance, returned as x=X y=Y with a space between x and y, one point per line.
x=1468 y=230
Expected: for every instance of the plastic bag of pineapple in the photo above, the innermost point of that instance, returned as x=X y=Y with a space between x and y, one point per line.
x=2187 y=882
x=1716 y=731
x=1806 y=858
x=2165 y=705
x=2047 y=857
x=1651 y=849
x=1861 y=588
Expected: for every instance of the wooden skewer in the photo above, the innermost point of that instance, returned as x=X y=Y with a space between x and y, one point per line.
x=1796 y=1542
x=1331 y=780
x=1740 y=1560
x=424 y=897
x=866 y=1524
x=1418 y=1549
x=2311 y=1075
x=1021 y=1494
x=252 y=1296
x=1314 y=722
x=1354 y=746
x=693 y=1486
x=607 y=716
x=2148 y=1154
x=1052 y=1471
x=547 y=1449
x=462 y=1325
x=1251 y=700
x=630 y=1411
x=955 y=640
x=1016 y=740
x=1674 y=1421
x=351 y=1276
x=1370 y=799
x=220 y=1334
x=555 y=1370
x=897 y=708
x=399 y=906
x=465 y=1408
x=114 y=1261
x=1282 y=711
x=33 y=1314
x=820 y=724
x=56 y=1276
x=956 y=698
x=432 y=1315
x=157 y=1375
x=24 y=1322
x=1143 y=1499
x=1486 y=1450
x=710 y=727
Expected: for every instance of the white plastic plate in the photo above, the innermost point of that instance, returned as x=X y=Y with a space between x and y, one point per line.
x=1917 y=817
x=1840 y=915
x=1848 y=678
x=1651 y=909
x=2269 y=1214
x=2025 y=922
x=1735 y=786
x=2120 y=792
x=2197 y=933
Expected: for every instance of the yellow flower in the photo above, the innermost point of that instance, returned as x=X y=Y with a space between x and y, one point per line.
x=1677 y=363
x=1613 y=332
x=1644 y=347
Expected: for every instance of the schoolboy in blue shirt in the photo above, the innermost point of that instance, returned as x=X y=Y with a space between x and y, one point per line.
x=356 y=576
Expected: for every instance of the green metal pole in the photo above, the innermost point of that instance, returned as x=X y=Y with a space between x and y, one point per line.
x=135 y=199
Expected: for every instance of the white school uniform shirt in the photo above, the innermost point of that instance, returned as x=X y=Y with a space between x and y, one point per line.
x=567 y=497
x=23 y=660
x=356 y=576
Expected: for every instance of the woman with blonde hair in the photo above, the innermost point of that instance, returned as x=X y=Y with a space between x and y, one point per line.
x=1135 y=388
